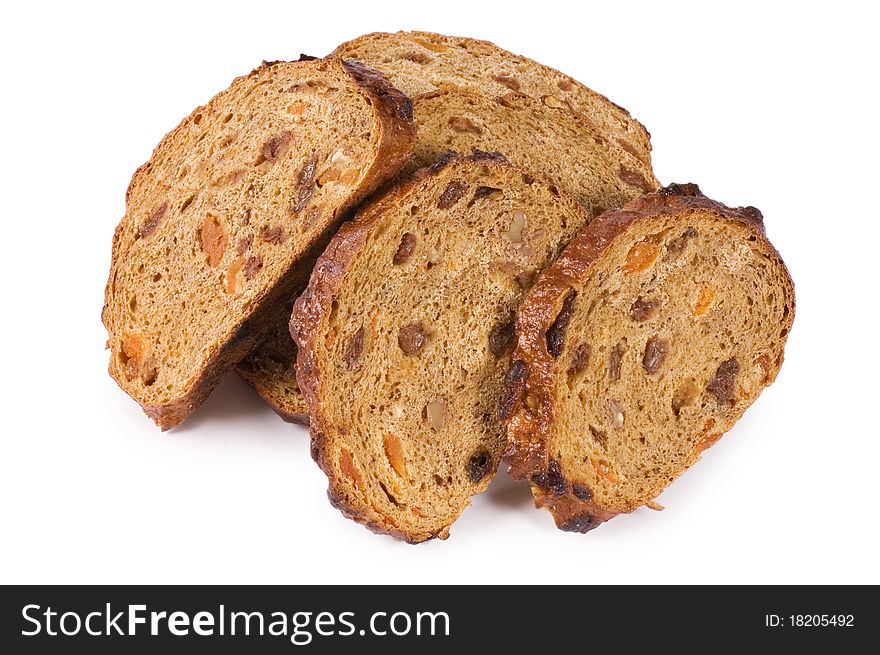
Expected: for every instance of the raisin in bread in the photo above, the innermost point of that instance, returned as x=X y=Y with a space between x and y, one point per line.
x=638 y=348
x=404 y=334
x=553 y=141
x=420 y=62
x=229 y=207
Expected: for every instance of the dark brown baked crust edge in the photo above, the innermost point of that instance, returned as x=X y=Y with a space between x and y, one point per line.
x=526 y=405
x=265 y=392
x=299 y=418
x=397 y=134
x=296 y=418
x=315 y=303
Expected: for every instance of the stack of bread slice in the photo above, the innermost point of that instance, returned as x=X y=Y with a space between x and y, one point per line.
x=509 y=279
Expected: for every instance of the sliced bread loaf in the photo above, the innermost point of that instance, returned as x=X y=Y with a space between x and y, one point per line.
x=552 y=141
x=231 y=203
x=638 y=348
x=421 y=62
x=404 y=334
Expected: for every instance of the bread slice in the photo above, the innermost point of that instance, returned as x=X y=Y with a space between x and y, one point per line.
x=421 y=62
x=231 y=203
x=638 y=348
x=554 y=142
x=404 y=334
x=270 y=368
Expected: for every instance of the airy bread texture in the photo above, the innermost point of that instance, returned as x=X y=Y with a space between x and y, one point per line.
x=638 y=348
x=421 y=62
x=404 y=334
x=230 y=205
x=553 y=141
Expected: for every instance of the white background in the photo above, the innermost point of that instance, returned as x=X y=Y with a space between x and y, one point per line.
x=764 y=105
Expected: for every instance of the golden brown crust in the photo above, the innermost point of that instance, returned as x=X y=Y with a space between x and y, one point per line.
x=316 y=302
x=297 y=418
x=397 y=134
x=527 y=402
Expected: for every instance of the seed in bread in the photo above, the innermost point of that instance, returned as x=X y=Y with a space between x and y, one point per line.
x=404 y=334
x=638 y=348
x=231 y=204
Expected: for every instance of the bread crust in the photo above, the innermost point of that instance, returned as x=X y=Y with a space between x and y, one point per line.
x=289 y=403
x=297 y=418
x=527 y=402
x=396 y=134
x=315 y=303
x=641 y=133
